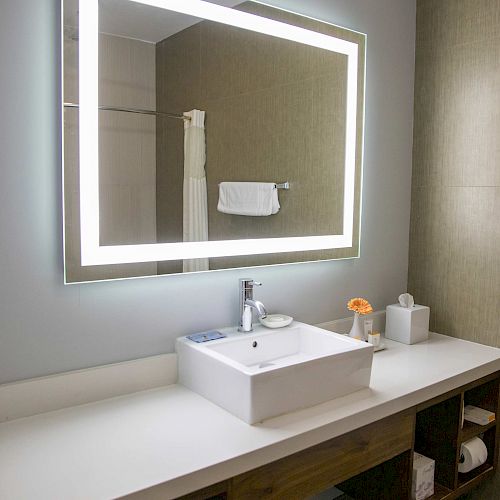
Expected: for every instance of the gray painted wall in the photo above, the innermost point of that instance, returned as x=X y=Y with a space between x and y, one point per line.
x=46 y=327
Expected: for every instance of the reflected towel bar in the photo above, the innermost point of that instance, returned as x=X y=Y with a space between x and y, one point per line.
x=283 y=185
x=130 y=110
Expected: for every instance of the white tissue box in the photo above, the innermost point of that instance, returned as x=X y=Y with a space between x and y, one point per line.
x=407 y=325
x=422 y=485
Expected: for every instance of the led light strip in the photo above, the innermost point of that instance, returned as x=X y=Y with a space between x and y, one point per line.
x=94 y=254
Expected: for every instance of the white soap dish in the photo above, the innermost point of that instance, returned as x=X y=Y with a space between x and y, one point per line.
x=276 y=320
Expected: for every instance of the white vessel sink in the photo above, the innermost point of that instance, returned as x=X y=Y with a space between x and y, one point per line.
x=265 y=373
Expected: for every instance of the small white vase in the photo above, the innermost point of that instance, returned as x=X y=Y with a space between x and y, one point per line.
x=357 y=330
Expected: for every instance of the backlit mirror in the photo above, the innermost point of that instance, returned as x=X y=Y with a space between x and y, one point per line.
x=207 y=135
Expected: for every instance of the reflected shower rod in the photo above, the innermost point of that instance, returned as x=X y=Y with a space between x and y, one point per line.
x=132 y=110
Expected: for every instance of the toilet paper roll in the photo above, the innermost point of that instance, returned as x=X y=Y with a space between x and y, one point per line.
x=473 y=453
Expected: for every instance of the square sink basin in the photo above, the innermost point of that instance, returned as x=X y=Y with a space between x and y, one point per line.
x=265 y=373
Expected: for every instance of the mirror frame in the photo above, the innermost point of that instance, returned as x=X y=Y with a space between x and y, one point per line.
x=91 y=251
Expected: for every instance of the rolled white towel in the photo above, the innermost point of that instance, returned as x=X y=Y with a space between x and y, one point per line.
x=254 y=199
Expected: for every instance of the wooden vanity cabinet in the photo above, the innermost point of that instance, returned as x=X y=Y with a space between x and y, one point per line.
x=317 y=468
x=375 y=461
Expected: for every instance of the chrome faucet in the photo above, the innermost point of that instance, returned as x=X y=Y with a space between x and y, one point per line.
x=247 y=302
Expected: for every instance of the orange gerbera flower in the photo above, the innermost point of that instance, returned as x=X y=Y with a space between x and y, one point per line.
x=359 y=305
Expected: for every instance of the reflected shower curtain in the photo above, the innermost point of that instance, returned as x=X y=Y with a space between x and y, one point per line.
x=195 y=212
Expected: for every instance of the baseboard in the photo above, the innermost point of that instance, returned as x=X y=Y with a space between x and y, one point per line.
x=62 y=390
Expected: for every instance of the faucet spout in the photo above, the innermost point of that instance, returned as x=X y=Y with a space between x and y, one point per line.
x=258 y=305
x=246 y=303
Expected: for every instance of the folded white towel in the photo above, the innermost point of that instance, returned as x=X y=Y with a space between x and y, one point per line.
x=248 y=198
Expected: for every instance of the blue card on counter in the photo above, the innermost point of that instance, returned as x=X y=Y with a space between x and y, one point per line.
x=206 y=336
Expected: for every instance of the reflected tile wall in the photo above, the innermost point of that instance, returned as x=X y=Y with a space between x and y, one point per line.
x=127 y=167
x=259 y=90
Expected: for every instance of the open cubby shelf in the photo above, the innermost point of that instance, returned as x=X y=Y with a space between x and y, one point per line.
x=440 y=492
x=439 y=435
x=466 y=482
x=485 y=396
x=471 y=430
x=466 y=478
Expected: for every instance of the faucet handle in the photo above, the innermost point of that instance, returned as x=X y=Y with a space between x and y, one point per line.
x=247 y=283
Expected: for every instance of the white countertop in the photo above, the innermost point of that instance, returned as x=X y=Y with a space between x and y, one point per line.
x=173 y=436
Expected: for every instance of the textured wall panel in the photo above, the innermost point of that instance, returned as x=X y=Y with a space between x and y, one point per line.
x=455 y=235
x=454 y=261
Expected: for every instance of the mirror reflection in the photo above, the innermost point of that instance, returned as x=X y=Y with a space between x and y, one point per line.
x=209 y=132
